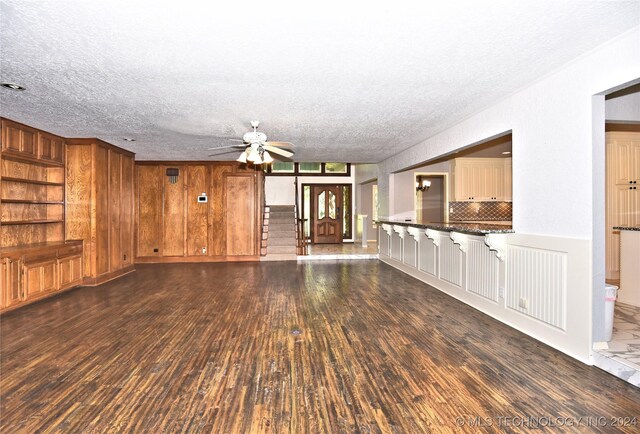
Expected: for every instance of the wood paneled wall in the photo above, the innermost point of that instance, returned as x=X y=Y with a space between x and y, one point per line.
x=172 y=226
x=100 y=206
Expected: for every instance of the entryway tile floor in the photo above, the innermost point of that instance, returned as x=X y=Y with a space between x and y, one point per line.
x=341 y=251
x=622 y=358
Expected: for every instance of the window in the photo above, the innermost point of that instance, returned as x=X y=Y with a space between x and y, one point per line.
x=284 y=168
x=335 y=168
x=309 y=168
x=346 y=212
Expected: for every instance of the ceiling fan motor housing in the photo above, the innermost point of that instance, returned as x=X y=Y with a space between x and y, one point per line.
x=254 y=136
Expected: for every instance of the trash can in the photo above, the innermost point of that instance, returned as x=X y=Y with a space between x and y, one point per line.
x=610 y=296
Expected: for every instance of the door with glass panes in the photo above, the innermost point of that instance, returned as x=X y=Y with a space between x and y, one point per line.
x=326 y=214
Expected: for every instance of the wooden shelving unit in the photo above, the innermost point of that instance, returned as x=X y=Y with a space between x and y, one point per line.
x=30 y=181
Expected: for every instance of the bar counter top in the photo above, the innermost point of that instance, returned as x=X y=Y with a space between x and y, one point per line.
x=462 y=227
x=627 y=228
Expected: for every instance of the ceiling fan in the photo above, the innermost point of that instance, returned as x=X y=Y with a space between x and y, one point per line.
x=257 y=148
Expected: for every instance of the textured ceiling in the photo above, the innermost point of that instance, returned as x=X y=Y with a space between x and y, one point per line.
x=348 y=81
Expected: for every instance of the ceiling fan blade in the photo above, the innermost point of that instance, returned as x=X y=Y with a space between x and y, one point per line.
x=281 y=144
x=222 y=153
x=227 y=146
x=237 y=140
x=278 y=151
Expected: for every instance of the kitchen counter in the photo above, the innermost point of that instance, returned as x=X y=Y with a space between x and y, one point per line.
x=462 y=227
x=627 y=228
x=629 y=271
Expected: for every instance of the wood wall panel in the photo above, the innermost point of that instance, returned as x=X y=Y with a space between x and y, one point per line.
x=218 y=235
x=197 y=212
x=78 y=200
x=169 y=215
x=240 y=210
x=149 y=202
x=173 y=214
x=100 y=211
x=115 y=204
x=102 y=208
x=126 y=211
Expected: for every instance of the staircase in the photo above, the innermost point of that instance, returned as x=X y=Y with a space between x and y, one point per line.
x=280 y=228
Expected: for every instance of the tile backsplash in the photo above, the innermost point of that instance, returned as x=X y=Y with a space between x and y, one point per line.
x=472 y=211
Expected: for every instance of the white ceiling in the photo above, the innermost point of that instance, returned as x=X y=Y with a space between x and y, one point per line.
x=344 y=81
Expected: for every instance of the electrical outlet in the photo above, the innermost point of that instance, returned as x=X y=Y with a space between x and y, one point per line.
x=204 y=250
x=501 y=292
x=523 y=303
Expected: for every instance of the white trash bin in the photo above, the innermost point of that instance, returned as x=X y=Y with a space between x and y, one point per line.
x=610 y=296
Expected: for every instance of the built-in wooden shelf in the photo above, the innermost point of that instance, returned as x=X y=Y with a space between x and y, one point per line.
x=22 y=158
x=31 y=222
x=31 y=181
x=33 y=202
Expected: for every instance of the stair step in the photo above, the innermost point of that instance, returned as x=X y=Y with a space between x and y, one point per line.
x=281 y=214
x=282 y=234
x=282 y=227
x=281 y=249
x=281 y=242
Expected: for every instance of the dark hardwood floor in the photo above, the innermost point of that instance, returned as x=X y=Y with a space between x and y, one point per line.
x=209 y=348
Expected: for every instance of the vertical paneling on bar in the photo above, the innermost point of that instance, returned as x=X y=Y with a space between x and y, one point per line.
x=428 y=255
x=410 y=249
x=450 y=261
x=396 y=246
x=482 y=270
x=197 y=212
x=384 y=242
x=539 y=278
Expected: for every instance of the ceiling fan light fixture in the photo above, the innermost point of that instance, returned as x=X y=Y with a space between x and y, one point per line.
x=254 y=155
x=242 y=158
x=266 y=157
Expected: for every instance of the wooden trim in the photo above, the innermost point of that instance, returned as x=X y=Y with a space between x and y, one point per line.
x=613 y=126
x=93 y=140
x=21 y=158
x=106 y=277
x=194 y=259
x=322 y=173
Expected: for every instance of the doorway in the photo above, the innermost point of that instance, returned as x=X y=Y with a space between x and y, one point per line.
x=327 y=210
x=431 y=203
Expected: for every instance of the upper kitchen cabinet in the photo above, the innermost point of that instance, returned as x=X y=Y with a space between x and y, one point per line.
x=481 y=179
x=100 y=200
x=626 y=158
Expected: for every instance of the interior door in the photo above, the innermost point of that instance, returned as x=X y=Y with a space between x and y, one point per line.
x=327 y=216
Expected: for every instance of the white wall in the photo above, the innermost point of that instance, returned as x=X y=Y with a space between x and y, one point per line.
x=558 y=157
x=402 y=204
x=552 y=135
x=279 y=190
x=623 y=108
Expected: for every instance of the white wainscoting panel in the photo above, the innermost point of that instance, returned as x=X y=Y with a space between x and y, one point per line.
x=482 y=269
x=384 y=244
x=410 y=251
x=450 y=261
x=538 y=277
x=396 y=246
x=428 y=255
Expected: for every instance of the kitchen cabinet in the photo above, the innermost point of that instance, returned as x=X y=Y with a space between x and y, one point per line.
x=482 y=179
x=622 y=192
x=99 y=198
x=11 y=283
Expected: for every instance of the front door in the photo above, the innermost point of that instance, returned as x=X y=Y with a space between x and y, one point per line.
x=326 y=215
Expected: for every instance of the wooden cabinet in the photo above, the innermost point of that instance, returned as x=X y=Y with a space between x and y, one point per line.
x=24 y=142
x=99 y=199
x=173 y=226
x=482 y=179
x=11 y=283
x=622 y=192
x=31 y=272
